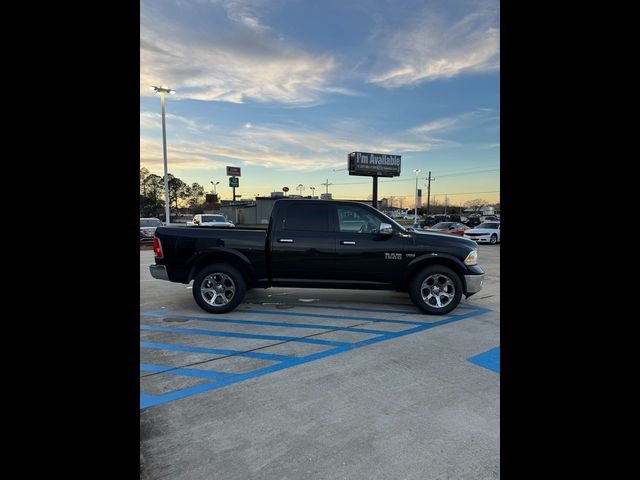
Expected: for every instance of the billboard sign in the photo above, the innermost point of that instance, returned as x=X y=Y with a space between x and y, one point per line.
x=233 y=172
x=374 y=164
x=234 y=182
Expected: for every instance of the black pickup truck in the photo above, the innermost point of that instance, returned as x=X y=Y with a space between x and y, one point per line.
x=319 y=244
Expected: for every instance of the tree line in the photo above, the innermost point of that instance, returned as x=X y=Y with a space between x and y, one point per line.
x=181 y=194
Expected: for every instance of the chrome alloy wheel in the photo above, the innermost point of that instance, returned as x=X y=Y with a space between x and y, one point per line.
x=437 y=290
x=217 y=289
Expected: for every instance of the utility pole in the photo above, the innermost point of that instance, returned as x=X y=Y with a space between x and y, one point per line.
x=326 y=184
x=429 y=190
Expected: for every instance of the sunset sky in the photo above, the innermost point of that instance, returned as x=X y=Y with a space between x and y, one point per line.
x=285 y=89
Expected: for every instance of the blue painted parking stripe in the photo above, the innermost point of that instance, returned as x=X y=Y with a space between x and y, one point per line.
x=215 y=333
x=214 y=351
x=489 y=359
x=360 y=309
x=148 y=401
x=373 y=310
x=266 y=324
x=339 y=317
x=189 y=372
x=295 y=314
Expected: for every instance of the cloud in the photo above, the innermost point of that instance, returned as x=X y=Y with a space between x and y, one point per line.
x=232 y=61
x=477 y=116
x=439 y=45
x=274 y=146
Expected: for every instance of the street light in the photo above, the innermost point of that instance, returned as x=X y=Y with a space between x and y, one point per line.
x=415 y=213
x=300 y=188
x=214 y=186
x=313 y=192
x=162 y=91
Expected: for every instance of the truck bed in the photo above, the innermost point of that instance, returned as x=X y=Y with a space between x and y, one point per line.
x=185 y=246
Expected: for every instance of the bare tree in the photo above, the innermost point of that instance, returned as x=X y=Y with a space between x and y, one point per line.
x=475 y=204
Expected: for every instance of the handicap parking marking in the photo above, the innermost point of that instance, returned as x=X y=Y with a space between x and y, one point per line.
x=489 y=359
x=188 y=372
x=265 y=324
x=219 y=380
x=213 y=351
x=217 y=333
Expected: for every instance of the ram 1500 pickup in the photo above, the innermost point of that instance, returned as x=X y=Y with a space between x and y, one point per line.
x=319 y=244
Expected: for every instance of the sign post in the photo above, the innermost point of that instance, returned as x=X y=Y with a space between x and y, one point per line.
x=234 y=182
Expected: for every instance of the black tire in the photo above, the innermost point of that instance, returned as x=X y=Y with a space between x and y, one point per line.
x=223 y=281
x=448 y=281
x=494 y=239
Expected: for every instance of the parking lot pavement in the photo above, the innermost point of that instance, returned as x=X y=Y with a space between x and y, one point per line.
x=308 y=383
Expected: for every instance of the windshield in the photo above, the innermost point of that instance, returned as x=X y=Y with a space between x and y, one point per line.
x=213 y=218
x=149 y=222
x=488 y=225
x=442 y=225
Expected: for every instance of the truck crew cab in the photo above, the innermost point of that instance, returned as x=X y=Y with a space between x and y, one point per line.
x=319 y=244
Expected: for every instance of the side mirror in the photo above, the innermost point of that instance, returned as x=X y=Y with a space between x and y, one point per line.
x=386 y=229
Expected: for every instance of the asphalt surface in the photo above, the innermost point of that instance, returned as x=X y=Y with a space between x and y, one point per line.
x=319 y=384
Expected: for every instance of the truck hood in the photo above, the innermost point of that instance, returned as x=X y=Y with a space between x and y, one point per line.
x=424 y=237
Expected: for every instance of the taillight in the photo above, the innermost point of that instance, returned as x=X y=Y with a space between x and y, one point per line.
x=157 y=247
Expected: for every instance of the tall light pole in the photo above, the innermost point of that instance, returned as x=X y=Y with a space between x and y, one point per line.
x=214 y=187
x=162 y=91
x=313 y=192
x=415 y=213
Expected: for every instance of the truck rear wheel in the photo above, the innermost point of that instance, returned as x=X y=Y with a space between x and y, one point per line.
x=436 y=290
x=218 y=288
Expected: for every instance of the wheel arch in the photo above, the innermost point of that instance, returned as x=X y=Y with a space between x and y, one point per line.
x=221 y=255
x=441 y=259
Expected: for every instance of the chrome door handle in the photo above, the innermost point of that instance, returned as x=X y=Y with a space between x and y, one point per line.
x=285 y=240
x=343 y=242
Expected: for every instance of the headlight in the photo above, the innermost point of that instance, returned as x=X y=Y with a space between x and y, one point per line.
x=472 y=258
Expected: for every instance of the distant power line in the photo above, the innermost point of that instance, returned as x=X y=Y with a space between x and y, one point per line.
x=464 y=193
x=433 y=194
x=413 y=178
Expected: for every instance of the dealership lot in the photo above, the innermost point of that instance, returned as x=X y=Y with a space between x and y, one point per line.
x=308 y=383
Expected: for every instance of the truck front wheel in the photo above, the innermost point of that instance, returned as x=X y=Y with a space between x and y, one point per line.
x=436 y=290
x=218 y=288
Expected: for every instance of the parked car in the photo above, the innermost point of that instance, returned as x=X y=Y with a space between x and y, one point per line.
x=431 y=220
x=148 y=228
x=485 y=232
x=473 y=221
x=319 y=244
x=491 y=218
x=456 y=228
x=210 y=220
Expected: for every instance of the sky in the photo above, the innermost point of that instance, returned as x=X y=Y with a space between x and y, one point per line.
x=286 y=89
